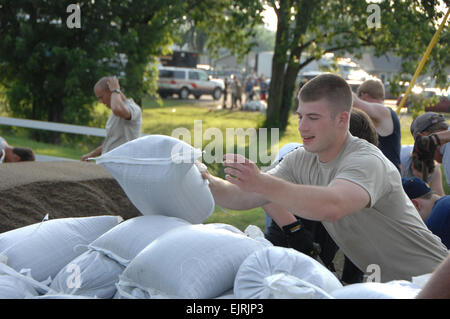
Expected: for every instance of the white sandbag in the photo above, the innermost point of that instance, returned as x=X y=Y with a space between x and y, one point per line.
x=91 y=274
x=159 y=177
x=61 y=296
x=256 y=233
x=47 y=247
x=195 y=261
x=227 y=295
x=277 y=272
x=123 y=242
x=397 y=289
x=14 y=288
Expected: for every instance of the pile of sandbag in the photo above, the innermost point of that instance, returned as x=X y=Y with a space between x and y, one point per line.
x=167 y=252
x=31 y=256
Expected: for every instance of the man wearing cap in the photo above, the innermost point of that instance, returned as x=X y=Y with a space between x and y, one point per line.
x=434 y=209
x=430 y=132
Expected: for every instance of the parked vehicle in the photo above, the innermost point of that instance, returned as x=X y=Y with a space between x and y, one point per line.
x=186 y=81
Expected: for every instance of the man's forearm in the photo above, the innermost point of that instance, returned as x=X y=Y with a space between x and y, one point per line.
x=321 y=203
x=231 y=196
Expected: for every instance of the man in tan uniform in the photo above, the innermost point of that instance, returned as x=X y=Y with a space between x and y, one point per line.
x=125 y=122
x=342 y=181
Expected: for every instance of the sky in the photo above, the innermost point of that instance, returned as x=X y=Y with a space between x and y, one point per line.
x=270 y=18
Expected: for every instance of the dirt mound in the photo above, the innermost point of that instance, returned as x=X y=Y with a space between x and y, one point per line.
x=29 y=190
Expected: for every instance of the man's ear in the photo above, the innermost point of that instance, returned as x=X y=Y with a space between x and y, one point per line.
x=344 y=118
x=417 y=204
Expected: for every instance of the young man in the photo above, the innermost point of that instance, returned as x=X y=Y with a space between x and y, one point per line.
x=344 y=182
x=370 y=99
x=125 y=122
x=434 y=209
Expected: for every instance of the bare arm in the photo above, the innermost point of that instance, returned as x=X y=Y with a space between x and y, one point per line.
x=438 y=287
x=118 y=106
x=378 y=113
x=231 y=196
x=281 y=216
x=322 y=203
x=94 y=153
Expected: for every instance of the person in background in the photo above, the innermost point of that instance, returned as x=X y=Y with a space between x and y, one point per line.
x=370 y=98
x=236 y=92
x=125 y=122
x=431 y=144
x=434 y=209
x=9 y=154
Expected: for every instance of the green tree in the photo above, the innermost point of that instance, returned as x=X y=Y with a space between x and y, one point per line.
x=313 y=28
x=48 y=70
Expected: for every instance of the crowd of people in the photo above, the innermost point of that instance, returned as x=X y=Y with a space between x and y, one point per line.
x=250 y=88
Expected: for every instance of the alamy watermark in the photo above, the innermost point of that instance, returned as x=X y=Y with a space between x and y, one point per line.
x=374 y=19
x=74 y=19
x=234 y=141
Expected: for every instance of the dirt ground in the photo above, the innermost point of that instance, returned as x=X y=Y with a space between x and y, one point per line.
x=30 y=190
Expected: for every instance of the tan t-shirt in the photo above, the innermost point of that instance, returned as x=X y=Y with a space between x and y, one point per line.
x=389 y=233
x=120 y=130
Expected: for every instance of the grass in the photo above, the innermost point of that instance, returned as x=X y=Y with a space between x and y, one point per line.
x=164 y=117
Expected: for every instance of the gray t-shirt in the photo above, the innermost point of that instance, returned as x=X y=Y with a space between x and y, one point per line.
x=389 y=233
x=120 y=130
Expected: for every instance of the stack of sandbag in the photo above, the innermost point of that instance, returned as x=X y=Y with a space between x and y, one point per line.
x=192 y=261
x=99 y=268
x=14 y=287
x=283 y=273
x=158 y=175
x=46 y=247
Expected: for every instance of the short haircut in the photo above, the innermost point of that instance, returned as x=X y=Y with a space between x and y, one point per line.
x=102 y=84
x=331 y=87
x=26 y=154
x=374 y=88
x=362 y=126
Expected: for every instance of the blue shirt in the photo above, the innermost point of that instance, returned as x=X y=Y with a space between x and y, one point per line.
x=439 y=220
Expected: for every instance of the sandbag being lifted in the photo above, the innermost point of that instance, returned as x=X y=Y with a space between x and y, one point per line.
x=158 y=175
x=48 y=246
x=195 y=261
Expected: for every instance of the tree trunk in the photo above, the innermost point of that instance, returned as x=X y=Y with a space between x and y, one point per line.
x=275 y=99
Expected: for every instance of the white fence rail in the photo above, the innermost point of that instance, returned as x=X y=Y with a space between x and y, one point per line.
x=49 y=126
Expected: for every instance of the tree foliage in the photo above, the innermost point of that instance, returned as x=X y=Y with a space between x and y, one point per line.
x=313 y=28
x=48 y=70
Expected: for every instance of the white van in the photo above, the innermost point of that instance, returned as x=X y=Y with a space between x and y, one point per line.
x=186 y=81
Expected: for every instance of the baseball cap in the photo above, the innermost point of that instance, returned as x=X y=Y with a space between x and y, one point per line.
x=415 y=187
x=424 y=121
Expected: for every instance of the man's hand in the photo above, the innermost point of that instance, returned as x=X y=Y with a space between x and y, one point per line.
x=242 y=172
x=113 y=84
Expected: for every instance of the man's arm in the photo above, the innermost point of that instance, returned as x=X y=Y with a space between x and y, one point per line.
x=118 y=106
x=231 y=196
x=322 y=203
x=94 y=153
x=438 y=287
x=378 y=113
